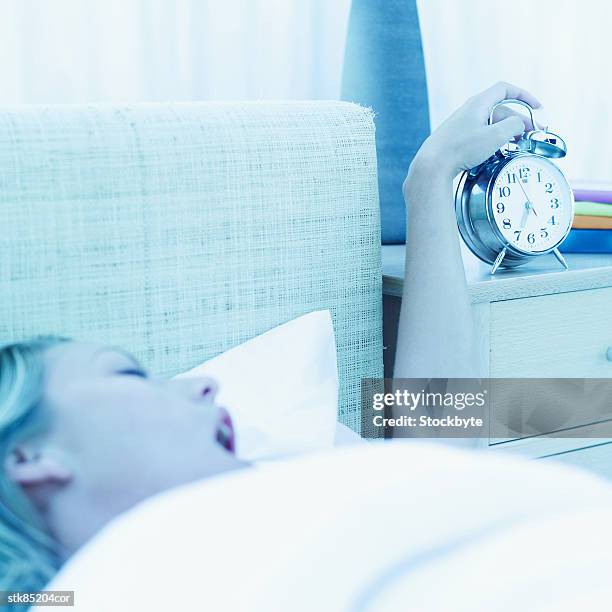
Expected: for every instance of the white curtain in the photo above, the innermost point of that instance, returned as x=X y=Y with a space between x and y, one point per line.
x=558 y=49
x=76 y=51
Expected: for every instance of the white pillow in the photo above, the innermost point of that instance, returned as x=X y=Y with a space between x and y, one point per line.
x=280 y=388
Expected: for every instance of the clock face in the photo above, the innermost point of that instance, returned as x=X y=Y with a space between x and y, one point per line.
x=532 y=204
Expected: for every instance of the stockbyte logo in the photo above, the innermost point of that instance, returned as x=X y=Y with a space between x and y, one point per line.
x=492 y=408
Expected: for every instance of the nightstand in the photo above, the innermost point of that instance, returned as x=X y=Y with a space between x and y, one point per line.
x=536 y=321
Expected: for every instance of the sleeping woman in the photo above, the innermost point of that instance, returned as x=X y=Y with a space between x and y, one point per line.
x=86 y=433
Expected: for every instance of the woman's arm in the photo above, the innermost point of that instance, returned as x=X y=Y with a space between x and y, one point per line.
x=436 y=335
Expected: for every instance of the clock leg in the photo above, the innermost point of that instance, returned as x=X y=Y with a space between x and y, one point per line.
x=498 y=260
x=560 y=258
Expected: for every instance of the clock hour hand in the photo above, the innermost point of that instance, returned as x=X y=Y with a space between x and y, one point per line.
x=525 y=215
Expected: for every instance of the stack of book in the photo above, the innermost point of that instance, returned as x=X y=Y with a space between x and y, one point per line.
x=592 y=227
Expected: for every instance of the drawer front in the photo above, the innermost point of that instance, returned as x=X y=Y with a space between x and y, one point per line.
x=566 y=335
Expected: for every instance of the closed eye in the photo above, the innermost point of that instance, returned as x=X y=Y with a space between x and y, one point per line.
x=133 y=372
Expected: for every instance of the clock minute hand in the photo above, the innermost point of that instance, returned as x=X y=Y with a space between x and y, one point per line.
x=524 y=192
x=532 y=208
x=529 y=202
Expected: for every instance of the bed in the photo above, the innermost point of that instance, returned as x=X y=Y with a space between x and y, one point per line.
x=181 y=230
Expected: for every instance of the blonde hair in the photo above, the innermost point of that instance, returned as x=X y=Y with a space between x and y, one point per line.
x=28 y=555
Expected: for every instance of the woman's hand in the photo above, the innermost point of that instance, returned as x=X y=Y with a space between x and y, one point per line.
x=465 y=140
x=437 y=336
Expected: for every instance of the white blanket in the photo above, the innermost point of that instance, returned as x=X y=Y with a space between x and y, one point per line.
x=390 y=526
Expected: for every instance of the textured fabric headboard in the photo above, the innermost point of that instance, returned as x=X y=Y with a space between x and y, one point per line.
x=178 y=231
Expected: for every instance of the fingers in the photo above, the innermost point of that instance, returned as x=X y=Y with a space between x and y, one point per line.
x=504 y=91
x=508 y=128
x=498 y=134
x=502 y=112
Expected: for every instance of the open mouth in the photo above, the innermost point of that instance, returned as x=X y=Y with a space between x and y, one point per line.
x=225 y=432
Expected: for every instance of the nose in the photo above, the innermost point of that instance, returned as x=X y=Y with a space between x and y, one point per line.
x=208 y=388
x=198 y=389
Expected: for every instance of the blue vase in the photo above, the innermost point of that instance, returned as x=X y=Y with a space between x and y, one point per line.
x=384 y=69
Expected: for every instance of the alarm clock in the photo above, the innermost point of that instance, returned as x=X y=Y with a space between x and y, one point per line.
x=517 y=204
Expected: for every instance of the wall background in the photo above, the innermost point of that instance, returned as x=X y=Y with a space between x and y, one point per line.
x=75 y=51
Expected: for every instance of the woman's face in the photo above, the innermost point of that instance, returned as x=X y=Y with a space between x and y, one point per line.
x=116 y=436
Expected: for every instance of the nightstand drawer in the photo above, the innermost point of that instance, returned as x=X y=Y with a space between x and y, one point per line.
x=562 y=335
x=533 y=322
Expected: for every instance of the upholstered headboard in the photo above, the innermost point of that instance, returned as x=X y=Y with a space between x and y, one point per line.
x=178 y=231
